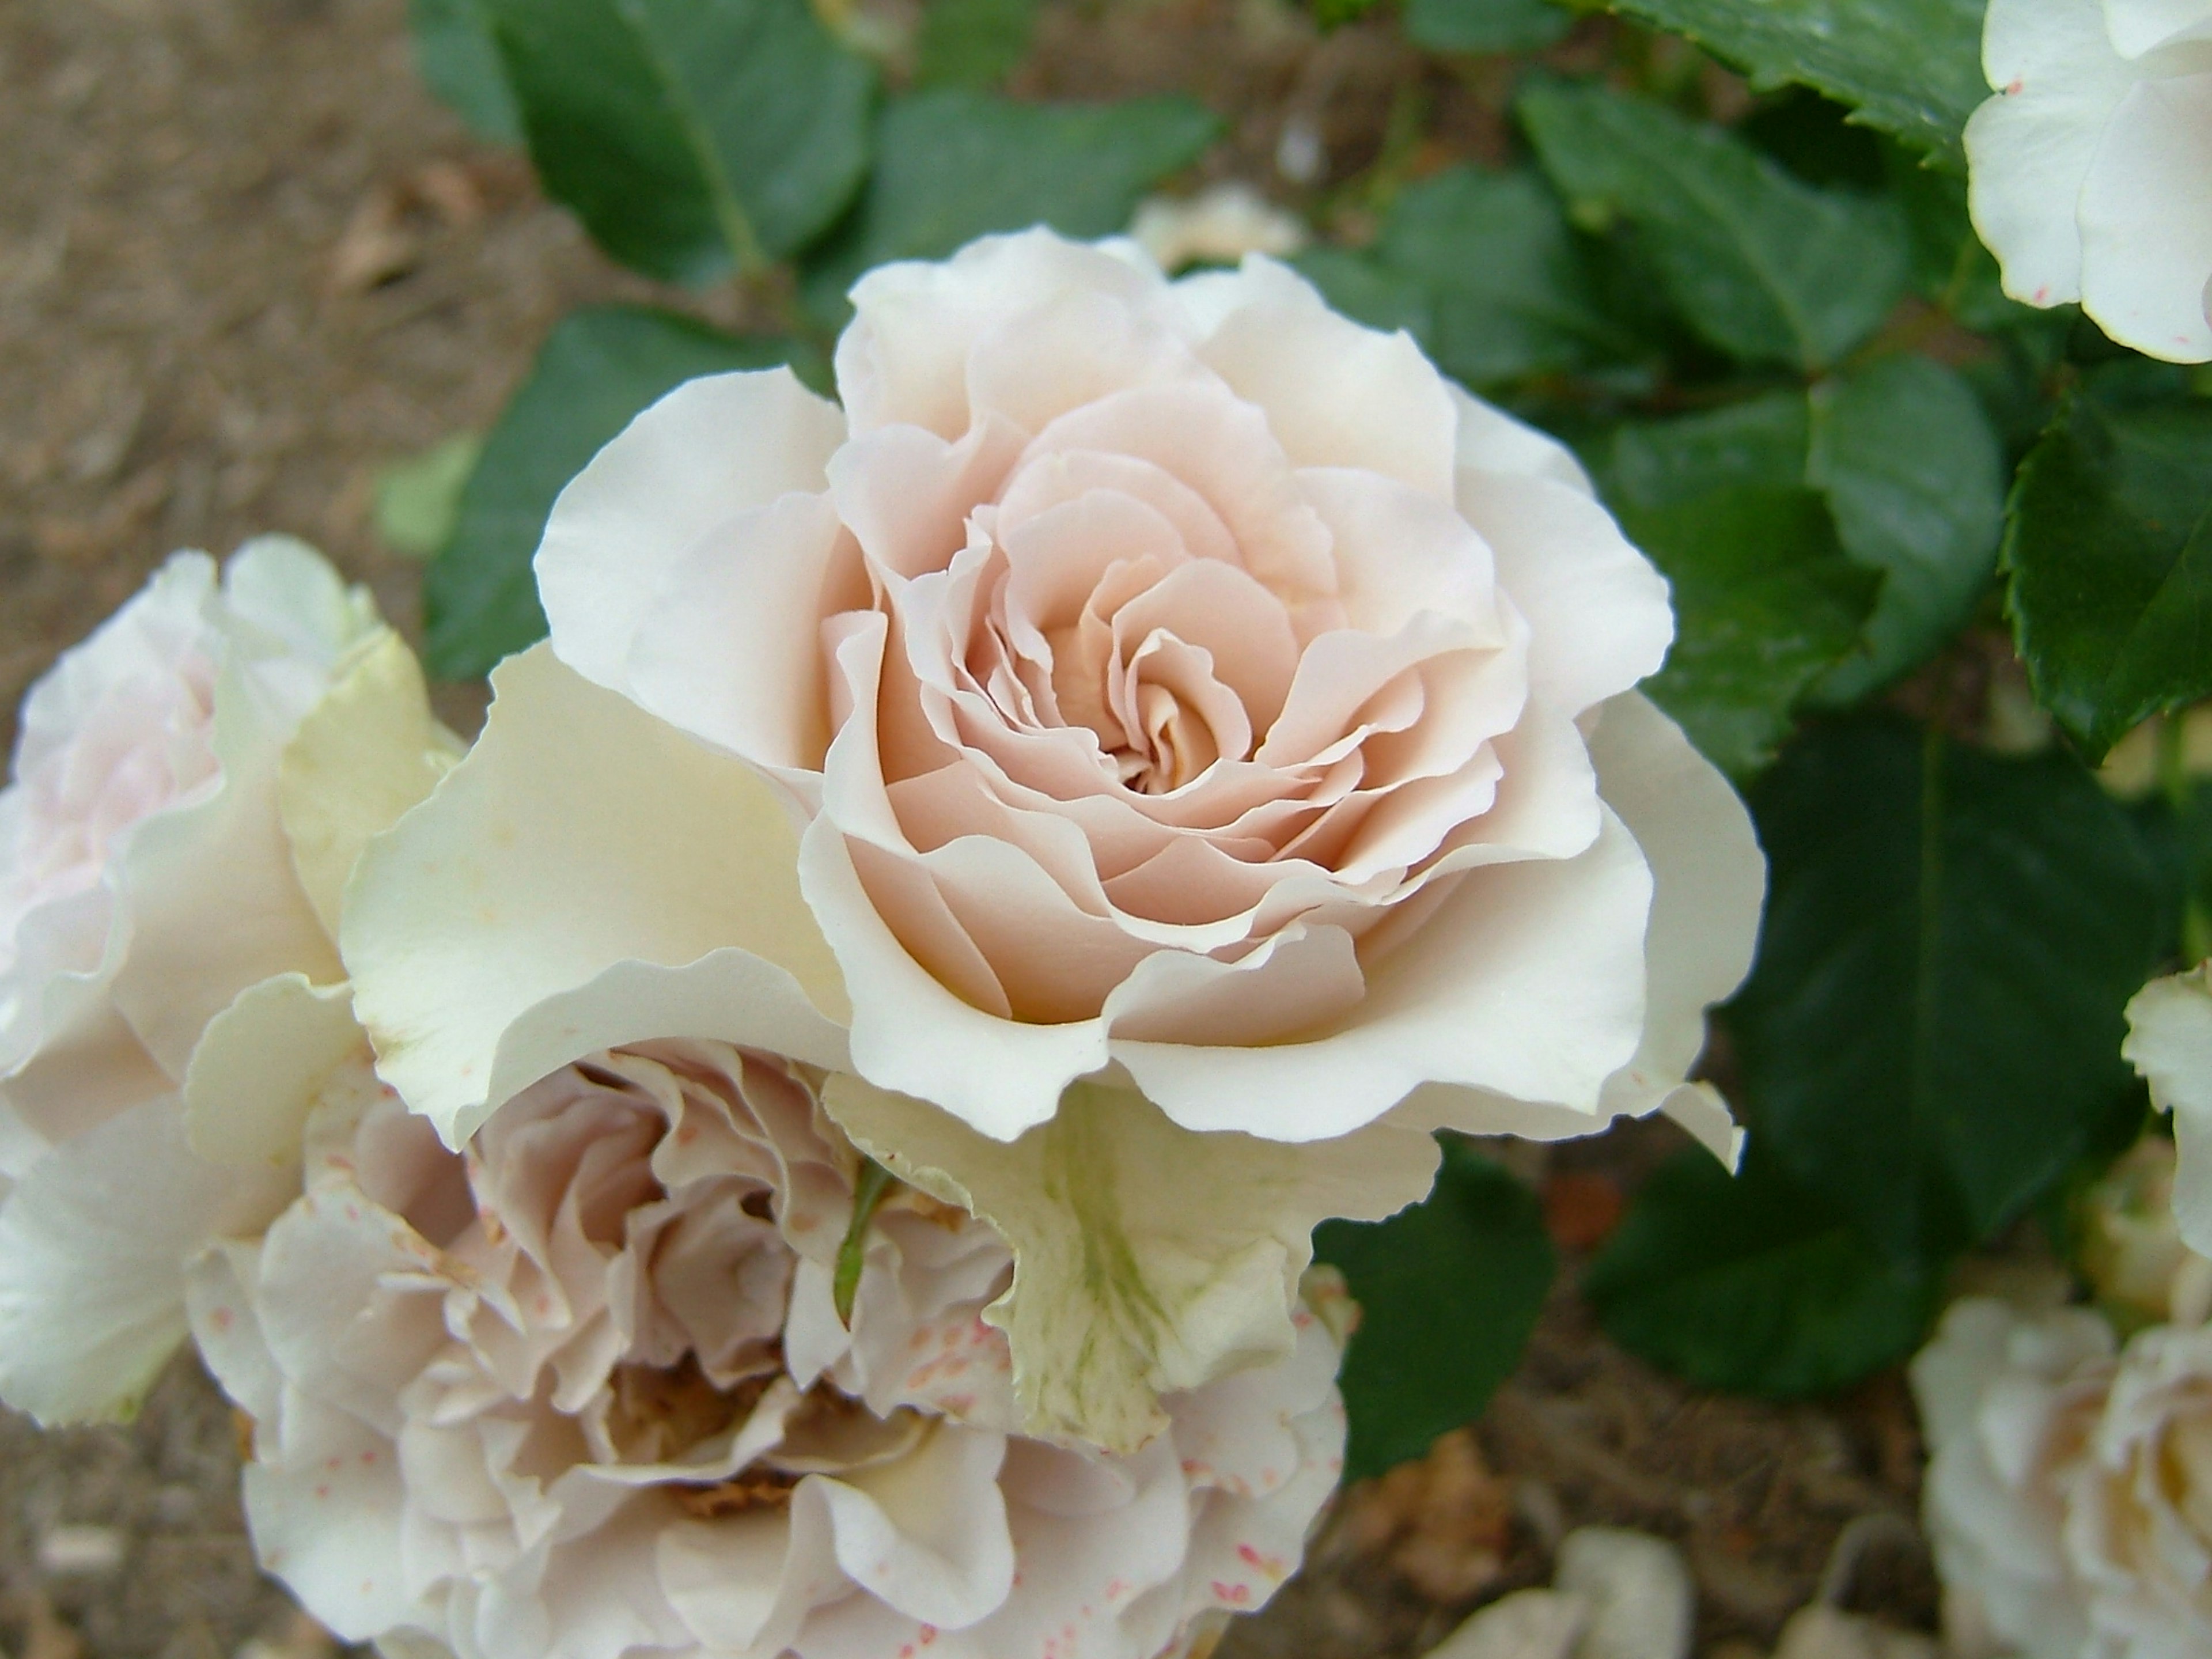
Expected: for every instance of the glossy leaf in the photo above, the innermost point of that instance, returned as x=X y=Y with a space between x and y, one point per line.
x=2108 y=543
x=1449 y=1291
x=459 y=62
x=1910 y=67
x=1915 y=476
x=1486 y=25
x=689 y=136
x=972 y=43
x=1932 y=1029
x=954 y=165
x=1765 y=603
x=1767 y=268
x=1749 y=1283
x=598 y=367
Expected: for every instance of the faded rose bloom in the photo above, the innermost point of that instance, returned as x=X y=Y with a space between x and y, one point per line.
x=1219 y=226
x=190 y=786
x=1181 y=682
x=2090 y=173
x=583 y=1390
x=2070 y=1497
x=2131 y=1247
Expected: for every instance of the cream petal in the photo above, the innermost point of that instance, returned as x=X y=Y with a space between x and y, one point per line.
x=1709 y=887
x=2137 y=27
x=903 y=359
x=330 y=1522
x=1399 y=551
x=723 y=1579
x=1527 y=980
x=2028 y=150
x=1147 y=1258
x=906 y=494
x=365 y=753
x=94 y=1242
x=713 y=449
x=1599 y=616
x=1299 y=978
x=765 y=579
x=663 y=853
x=1034 y=365
x=1051 y=480
x=927 y=1535
x=1492 y=441
x=910 y=1033
x=263 y=1064
x=89 y=1066
x=1336 y=393
x=2169 y=1042
x=2147 y=217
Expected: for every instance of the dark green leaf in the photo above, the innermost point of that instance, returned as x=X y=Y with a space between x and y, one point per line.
x=689 y=136
x=1916 y=479
x=972 y=43
x=2108 y=542
x=1448 y=1291
x=459 y=61
x=954 y=165
x=1486 y=25
x=1932 y=1030
x=1910 y=67
x=1751 y=1284
x=1767 y=268
x=598 y=368
x=1764 y=601
x=1759 y=443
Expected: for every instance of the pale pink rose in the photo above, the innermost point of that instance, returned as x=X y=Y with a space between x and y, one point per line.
x=582 y=1390
x=143 y=882
x=2070 y=1493
x=1177 y=679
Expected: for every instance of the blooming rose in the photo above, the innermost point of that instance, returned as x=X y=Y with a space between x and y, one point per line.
x=1219 y=226
x=583 y=1389
x=2090 y=173
x=2070 y=1497
x=1179 y=681
x=2130 y=1244
x=2170 y=1041
x=170 y=853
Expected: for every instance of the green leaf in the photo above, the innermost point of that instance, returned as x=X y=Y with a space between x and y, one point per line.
x=1915 y=476
x=1932 y=1030
x=1448 y=1291
x=972 y=43
x=2108 y=543
x=1759 y=443
x=1748 y=1283
x=954 y=165
x=689 y=136
x=1486 y=25
x=1764 y=601
x=459 y=62
x=1767 y=268
x=418 y=500
x=1910 y=67
x=598 y=368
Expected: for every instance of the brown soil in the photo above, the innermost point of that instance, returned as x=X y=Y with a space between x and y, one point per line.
x=244 y=261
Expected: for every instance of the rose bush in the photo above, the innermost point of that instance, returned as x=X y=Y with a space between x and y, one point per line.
x=1181 y=679
x=2070 y=1497
x=190 y=786
x=583 y=1389
x=2091 y=170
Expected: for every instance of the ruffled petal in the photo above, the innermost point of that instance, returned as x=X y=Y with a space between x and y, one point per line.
x=1147 y=1258
x=659 y=852
x=2170 y=1041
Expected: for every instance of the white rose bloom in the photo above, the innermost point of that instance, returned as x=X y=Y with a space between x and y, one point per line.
x=583 y=1390
x=170 y=851
x=2069 y=1494
x=1182 y=682
x=2090 y=173
x=2170 y=1042
x=1219 y=226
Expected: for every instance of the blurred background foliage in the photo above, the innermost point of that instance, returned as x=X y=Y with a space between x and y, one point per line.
x=1934 y=554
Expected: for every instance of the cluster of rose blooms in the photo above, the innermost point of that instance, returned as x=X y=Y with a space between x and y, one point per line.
x=805 y=1136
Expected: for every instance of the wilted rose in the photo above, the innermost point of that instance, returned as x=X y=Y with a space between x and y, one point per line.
x=2090 y=173
x=584 y=1389
x=1181 y=681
